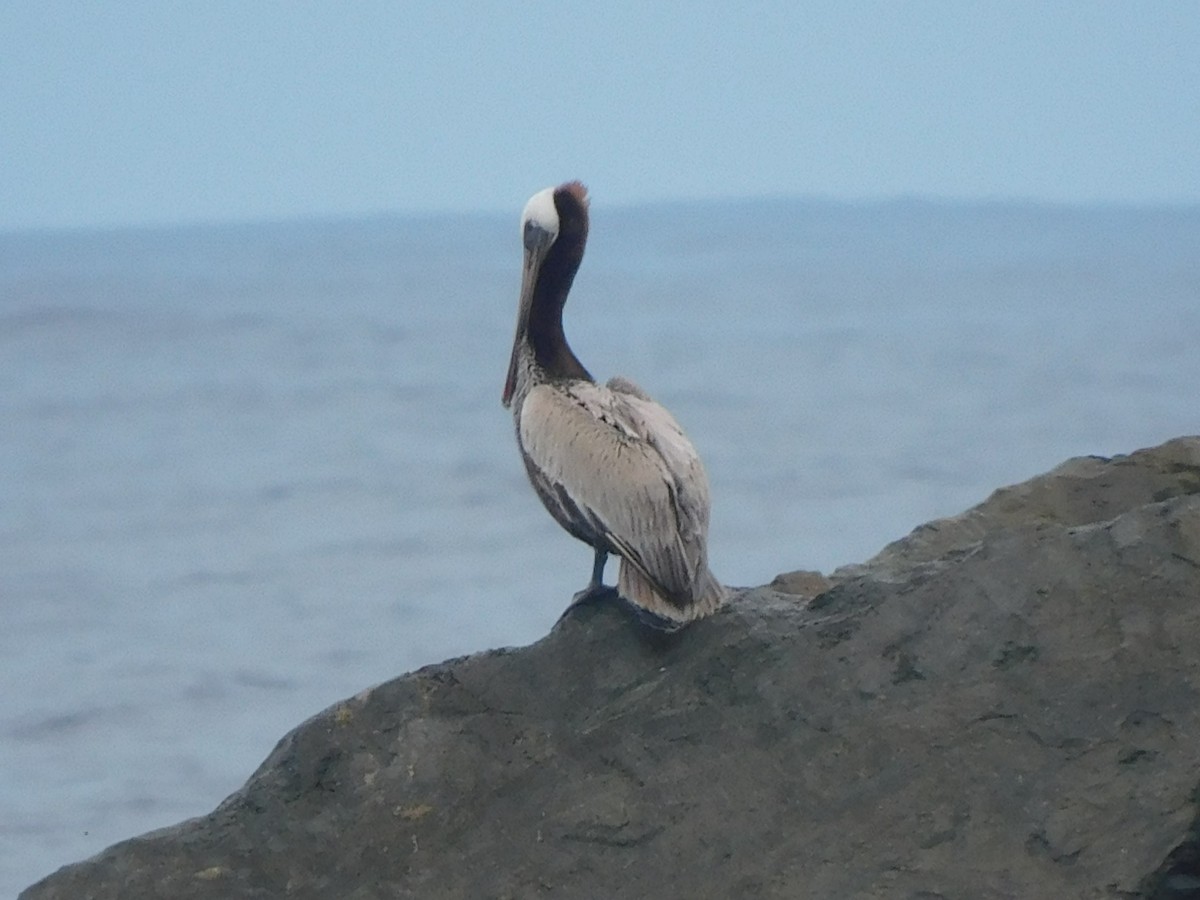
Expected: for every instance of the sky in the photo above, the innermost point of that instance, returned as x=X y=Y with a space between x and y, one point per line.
x=159 y=112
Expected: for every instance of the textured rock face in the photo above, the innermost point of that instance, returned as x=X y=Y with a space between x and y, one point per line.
x=1005 y=704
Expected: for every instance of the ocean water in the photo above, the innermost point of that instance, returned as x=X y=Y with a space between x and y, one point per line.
x=246 y=471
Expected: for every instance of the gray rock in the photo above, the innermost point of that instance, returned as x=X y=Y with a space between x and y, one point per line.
x=1079 y=492
x=1006 y=704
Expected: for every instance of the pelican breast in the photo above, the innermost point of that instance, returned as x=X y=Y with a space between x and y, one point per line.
x=627 y=466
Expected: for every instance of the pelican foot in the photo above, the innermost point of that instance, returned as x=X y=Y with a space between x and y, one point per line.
x=593 y=593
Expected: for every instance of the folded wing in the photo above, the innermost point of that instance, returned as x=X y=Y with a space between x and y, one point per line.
x=623 y=460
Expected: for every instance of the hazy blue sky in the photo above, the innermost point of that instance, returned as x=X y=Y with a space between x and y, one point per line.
x=145 y=112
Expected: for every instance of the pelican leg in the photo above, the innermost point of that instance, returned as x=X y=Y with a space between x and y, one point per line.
x=597 y=581
x=596 y=588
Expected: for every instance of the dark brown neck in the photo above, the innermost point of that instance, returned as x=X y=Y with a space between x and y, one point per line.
x=550 y=348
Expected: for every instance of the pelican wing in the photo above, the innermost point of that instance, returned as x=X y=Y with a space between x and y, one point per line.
x=625 y=463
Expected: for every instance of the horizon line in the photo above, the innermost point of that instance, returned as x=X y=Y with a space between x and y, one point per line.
x=907 y=199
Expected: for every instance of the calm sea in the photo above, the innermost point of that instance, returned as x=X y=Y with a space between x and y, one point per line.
x=246 y=471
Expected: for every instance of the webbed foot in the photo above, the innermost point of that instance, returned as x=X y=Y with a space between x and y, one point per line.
x=593 y=593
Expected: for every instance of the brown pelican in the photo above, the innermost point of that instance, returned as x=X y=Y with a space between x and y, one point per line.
x=611 y=465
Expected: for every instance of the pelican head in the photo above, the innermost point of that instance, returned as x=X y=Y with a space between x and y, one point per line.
x=551 y=212
x=539 y=221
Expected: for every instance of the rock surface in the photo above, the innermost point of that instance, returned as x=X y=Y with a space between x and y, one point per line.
x=1004 y=704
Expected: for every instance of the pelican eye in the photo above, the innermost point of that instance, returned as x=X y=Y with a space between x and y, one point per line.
x=536 y=237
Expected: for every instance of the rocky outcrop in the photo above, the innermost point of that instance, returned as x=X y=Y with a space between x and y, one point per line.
x=1005 y=704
